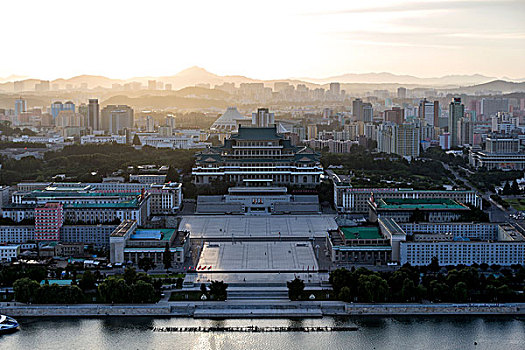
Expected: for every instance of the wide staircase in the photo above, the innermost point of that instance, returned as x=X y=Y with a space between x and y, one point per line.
x=258 y=294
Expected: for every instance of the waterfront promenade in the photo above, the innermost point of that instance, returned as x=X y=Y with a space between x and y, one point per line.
x=260 y=308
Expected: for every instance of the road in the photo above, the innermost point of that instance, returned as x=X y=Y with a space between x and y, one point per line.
x=496 y=212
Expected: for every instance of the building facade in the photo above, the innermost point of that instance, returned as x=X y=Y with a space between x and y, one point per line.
x=258 y=157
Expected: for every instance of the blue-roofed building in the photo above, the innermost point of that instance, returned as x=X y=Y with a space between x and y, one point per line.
x=258 y=156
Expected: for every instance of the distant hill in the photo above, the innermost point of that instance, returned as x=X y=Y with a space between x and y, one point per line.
x=389 y=78
x=354 y=82
x=496 y=85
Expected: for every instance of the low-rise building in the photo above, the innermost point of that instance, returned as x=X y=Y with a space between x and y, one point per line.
x=9 y=252
x=451 y=243
x=348 y=199
x=406 y=210
x=148 y=178
x=129 y=244
x=258 y=201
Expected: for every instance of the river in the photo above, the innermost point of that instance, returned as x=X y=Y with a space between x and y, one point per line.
x=498 y=332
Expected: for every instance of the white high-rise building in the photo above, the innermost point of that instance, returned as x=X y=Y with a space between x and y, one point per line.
x=263 y=118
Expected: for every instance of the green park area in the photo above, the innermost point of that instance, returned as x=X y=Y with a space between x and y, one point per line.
x=517 y=203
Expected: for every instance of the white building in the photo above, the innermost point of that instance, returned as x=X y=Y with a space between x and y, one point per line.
x=354 y=200
x=148 y=178
x=9 y=252
x=87 y=139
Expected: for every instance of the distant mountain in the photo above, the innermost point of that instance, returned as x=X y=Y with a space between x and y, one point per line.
x=12 y=77
x=495 y=85
x=351 y=82
x=389 y=78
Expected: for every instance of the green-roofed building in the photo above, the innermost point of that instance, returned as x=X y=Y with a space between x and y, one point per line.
x=128 y=243
x=410 y=210
x=258 y=156
x=359 y=245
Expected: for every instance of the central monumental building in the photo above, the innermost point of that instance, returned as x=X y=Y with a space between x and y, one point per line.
x=258 y=156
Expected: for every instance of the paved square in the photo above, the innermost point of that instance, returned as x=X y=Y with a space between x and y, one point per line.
x=220 y=226
x=258 y=256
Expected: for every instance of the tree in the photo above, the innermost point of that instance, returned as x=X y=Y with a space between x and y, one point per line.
x=295 y=288
x=506 y=189
x=515 y=188
x=459 y=292
x=87 y=281
x=172 y=175
x=409 y=290
x=115 y=290
x=145 y=263
x=166 y=258
x=203 y=288
x=130 y=275
x=25 y=290
x=372 y=288
x=143 y=292
x=218 y=290
x=345 y=294
x=434 y=264
x=136 y=140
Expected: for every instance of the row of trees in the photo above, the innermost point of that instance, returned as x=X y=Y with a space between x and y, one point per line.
x=130 y=287
x=412 y=284
x=30 y=291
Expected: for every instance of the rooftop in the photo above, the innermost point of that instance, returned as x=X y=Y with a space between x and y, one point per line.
x=253 y=133
x=361 y=232
x=123 y=228
x=153 y=234
x=422 y=203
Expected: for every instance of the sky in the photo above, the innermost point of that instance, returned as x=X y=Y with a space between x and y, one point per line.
x=264 y=39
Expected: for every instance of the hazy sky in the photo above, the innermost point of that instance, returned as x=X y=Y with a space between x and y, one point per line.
x=264 y=39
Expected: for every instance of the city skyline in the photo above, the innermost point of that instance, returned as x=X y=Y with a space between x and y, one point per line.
x=270 y=41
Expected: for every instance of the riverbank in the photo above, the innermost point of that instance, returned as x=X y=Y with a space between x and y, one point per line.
x=259 y=309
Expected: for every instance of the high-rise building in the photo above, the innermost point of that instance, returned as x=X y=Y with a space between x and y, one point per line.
x=42 y=86
x=116 y=118
x=491 y=106
x=401 y=92
x=357 y=107
x=49 y=218
x=19 y=85
x=362 y=111
x=311 y=132
x=150 y=124
x=170 y=121
x=429 y=112
x=465 y=132
x=367 y=112
x=263 y=118
x=396 y=115
x=456 y=111
x=57 y=107
x=93 y=118
x=20 y=106
x=399 y=139
x=335 y=89
x=152 y=85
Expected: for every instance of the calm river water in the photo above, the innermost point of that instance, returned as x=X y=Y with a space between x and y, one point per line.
x=374 y=333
